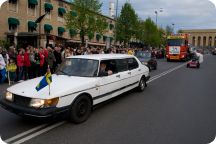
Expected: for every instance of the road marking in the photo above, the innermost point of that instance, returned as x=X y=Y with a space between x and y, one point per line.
x=39 y=132
x=165 y=73
x=46 y=129
x=24 y=133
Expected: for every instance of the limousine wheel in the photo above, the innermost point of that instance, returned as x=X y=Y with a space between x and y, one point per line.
x=142 y=84
x=81 y=109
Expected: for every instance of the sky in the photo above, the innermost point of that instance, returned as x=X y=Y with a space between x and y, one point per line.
x=184 y=14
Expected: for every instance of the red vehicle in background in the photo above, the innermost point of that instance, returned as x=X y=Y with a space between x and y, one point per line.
x=177 y=47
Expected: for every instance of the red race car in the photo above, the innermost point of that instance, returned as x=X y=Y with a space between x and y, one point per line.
x=194 y=63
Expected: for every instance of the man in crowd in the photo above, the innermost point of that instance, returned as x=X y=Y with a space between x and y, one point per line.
x=2 y=68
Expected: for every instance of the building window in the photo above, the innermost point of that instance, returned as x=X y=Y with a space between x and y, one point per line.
x=12 y=28
x=48 y=8
x=61 y=4
x=13 y=1
x=47 y=28
x=61 y=31
x=13 y=5
x=32 y=7
x=204 y=41
x=32 y=26
x=13 y=24
x=61 y=12
x=193 y=41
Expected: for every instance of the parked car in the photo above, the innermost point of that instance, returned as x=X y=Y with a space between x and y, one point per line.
x=147 y=59
x=194 y=63
x=79 y=83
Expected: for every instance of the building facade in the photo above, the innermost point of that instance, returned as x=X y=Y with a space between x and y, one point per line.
x=18 y=24
x=202 y=38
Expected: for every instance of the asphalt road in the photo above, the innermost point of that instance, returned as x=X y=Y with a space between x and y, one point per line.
x=177 y=108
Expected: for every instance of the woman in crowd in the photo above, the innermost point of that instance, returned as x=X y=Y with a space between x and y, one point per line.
x=20 y=64
x=27 y=63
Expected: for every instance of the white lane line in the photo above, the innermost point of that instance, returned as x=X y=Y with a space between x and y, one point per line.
x=165 y=73
x=39 y=133
x=24 y=133
x=61 y=123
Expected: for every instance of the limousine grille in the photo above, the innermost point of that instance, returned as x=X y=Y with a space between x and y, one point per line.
x=21 y=101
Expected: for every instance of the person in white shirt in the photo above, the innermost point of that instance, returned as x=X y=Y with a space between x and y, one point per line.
x=2 y=69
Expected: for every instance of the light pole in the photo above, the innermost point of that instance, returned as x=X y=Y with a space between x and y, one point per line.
x=116 y=19
x=156 y=13
x=173 y=28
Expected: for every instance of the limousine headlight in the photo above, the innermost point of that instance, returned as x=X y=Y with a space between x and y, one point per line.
x=42 y=103
x=9 y=96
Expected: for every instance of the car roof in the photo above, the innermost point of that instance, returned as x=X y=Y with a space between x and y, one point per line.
x=102 y=56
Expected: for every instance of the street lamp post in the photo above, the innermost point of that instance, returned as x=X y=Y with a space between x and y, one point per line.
x=116 y=18
x=173 y=28
x=156 y=13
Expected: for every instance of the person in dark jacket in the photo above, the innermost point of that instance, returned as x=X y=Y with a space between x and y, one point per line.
x=51 y=59
x=37 y=63
x=57 y=53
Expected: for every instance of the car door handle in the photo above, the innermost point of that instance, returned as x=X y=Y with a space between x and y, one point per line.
x=129 y=73
x=118 y=76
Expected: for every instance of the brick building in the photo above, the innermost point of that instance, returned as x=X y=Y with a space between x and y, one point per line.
x=18 y=22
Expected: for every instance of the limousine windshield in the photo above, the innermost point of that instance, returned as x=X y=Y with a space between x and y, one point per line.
x=78 y=67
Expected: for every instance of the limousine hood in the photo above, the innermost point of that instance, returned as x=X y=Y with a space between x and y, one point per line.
x=61 y=85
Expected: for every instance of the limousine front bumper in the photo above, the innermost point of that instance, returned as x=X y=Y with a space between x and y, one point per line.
x=32 y=112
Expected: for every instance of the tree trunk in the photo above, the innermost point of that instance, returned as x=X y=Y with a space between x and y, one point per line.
x=82 y=37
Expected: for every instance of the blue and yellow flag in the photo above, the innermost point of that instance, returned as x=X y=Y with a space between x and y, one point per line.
x=47 y=79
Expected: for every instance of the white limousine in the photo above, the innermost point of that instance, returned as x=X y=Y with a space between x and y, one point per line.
x=78 y=84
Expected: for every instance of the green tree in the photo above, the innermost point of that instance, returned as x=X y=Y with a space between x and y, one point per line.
x=152 y=36
x=5 y=44
x=180 y=31
x=85 y=18
x=126 y=24
x=169 y=30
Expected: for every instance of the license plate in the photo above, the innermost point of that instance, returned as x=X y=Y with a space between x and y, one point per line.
x=174 y=57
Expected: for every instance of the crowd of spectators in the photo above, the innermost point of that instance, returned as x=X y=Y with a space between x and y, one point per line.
x=27 y=63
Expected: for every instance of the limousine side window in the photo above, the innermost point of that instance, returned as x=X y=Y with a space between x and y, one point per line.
x=110 y=66
x=122 y=65
x=132 y=64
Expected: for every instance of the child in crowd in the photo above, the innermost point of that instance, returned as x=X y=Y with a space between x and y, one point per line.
x=11 y=68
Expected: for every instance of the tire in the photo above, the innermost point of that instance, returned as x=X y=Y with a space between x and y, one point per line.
x=198 y=66
x=155 y=67
x=187 y=65
x=80 y=109
x=168 y=60
x=149 y=68
x=142 y=85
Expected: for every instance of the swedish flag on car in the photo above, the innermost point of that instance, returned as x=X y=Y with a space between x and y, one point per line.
x=47 y=80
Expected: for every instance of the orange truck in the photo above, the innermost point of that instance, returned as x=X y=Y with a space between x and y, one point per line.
x=177 y=47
